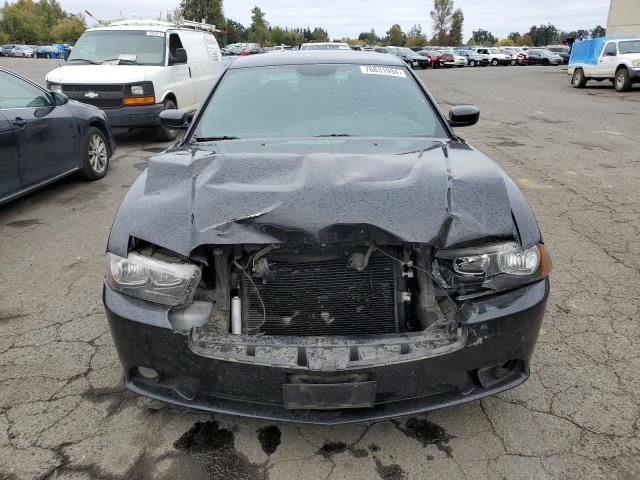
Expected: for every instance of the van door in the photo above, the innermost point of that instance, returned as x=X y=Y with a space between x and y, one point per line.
x=204 y=61
x=607 y=61
x=181 y=73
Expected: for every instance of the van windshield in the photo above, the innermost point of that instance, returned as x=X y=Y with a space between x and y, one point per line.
x=124 y=47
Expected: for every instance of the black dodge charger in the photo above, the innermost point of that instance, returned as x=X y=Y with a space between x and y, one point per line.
x=322 y=247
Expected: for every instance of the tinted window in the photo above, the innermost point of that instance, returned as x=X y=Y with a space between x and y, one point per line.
x=629 y=47
x=319 y=100
x=610 y=49
x=146 y=47
x=17 y=93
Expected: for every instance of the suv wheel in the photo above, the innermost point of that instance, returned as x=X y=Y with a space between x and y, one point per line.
x=164 y=134
x=494 y=62
x=472 y=63
x=622 y=80
x=578 y=80
x=545 y=62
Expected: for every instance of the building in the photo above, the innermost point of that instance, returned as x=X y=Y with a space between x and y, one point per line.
x=624 y=18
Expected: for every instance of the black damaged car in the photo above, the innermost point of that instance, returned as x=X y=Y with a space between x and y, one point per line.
x=322 y=247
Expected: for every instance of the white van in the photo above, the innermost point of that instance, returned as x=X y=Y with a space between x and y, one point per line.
x=134 y=69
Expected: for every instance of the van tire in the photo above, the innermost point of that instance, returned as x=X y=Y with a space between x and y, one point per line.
x=578 y=80
x=622 y=80
x=95 y=156
x=163 y=134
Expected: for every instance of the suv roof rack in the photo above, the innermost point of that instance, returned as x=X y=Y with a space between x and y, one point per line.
x=179 y=23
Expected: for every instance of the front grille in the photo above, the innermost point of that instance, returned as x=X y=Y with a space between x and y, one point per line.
x=101 y=96
x=323 y=298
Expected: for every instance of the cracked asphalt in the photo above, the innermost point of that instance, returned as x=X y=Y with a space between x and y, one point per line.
x=64 y=413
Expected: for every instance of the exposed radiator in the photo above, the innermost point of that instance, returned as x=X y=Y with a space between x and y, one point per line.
x=323 y=298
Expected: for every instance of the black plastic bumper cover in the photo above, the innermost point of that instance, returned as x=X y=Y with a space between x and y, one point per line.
x=500 y=330
x=140 y=116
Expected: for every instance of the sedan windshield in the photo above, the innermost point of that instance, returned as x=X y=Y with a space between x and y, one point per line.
x=629 y=47
x=131 y=46
x=318 y=101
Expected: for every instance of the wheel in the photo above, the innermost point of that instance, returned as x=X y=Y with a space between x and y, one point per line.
x=514 y=63
x=623 y=82
x=164 y=134
x=96 y=155
x=578 y=80
x=545 y=62
x=472 y=63
x=494 y=62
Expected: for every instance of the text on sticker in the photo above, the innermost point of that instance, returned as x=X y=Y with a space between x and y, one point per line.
x=380 y=70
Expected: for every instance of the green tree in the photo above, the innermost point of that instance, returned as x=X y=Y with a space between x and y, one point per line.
x=598 y=31
x=320 y=35
x=235 y=32
x=415 y=37
x=68 y=30
x=514 y=36
x=395 y=36
x=369 y=37
x=259 y=29
x=441 y=16
x=482 y=37
x=544 y=35
x=211 y=11
x=455 y=34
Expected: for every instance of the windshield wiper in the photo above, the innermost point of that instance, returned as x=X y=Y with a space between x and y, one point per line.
x=121 y=60
x=333 y=135
x=84 y=60
x=215 y=139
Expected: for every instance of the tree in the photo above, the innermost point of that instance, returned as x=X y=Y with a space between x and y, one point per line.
x=505 y=42
x=211 y=11
x=415 y=37
x=259 y=29
x=482 y=37
x=395 y=36
x=514 y=37
x=455 y=34
x=598 y=31
x=236 y=33
x=544 y=35
x=68 y=30
x=441 y=16
x=320 y=35
x=525 y=41
x=369 y=37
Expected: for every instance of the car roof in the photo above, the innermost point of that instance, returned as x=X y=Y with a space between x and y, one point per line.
x=311 y=57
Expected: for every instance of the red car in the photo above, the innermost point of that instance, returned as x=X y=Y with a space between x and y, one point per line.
x=436 y=58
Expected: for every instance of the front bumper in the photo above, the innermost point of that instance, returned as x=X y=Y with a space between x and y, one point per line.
x=499 y=330
x=634 y=73
x=138 y=116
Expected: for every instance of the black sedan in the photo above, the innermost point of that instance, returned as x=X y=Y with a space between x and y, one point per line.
x=45 y=137
x=323 y=247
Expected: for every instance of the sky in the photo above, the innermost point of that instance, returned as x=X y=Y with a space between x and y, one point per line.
x=347 y=18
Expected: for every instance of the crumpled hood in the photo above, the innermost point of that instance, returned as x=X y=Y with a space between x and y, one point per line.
x=99 y=74
x=443 y=195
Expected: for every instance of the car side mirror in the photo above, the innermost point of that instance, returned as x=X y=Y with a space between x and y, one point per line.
x=179 y=57
x=611 y=54
x=463 y=115
x=175 y=119
x=59 y=98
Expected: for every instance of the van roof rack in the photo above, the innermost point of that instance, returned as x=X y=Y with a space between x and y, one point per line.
x=179 y=23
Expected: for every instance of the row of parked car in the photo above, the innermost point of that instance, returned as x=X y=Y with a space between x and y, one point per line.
x=31 y=51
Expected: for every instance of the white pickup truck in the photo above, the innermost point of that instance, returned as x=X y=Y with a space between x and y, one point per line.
x=606 y=58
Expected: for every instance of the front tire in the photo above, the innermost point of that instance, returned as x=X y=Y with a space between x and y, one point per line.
x=622 y=80
x=578 y=80
x=514 y=63
x=163 y=134
x=472 y=63
x=494 y=62
x=545 y=62
x=96 y=155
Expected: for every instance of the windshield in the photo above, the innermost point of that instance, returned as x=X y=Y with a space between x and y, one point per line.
x=130 y=46
x=629 y=47
x=325 y=46
x=317 y=101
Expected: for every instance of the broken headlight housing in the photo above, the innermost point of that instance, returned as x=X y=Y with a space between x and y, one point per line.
x=494 y=267
x=153 y=280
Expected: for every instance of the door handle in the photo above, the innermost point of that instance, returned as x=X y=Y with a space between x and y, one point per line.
x=19 y=122
x=189 y=71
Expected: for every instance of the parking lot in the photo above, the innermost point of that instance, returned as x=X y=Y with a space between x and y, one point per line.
x=64 y=412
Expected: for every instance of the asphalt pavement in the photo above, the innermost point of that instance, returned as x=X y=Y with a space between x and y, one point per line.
x=65 y=414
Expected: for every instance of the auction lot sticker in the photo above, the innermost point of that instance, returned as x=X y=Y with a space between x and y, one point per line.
x=380 y=70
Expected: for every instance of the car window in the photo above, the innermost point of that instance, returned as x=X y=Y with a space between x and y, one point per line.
x=610 y=49
x=16 y=93
x=632 y=46
x=319 y=100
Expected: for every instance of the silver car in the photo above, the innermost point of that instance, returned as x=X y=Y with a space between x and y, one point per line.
x=542 y=56
x=22 y=51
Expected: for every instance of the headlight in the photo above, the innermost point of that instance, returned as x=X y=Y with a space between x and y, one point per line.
x=636 y=62
x=153 y=280
x=492 y=267
x=137 y=90
x=54 y=87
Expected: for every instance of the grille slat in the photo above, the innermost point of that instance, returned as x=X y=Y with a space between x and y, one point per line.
x=106 y=96
x=323 y=298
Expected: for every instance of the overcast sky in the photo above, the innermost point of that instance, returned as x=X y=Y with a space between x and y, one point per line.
x=350 y=17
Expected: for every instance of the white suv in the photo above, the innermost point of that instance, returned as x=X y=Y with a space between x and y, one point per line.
x=134 y=69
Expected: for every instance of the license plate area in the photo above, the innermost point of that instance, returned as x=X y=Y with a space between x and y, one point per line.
x=329 y=396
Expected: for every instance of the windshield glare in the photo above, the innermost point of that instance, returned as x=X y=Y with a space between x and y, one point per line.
x=318 y=100
x=146 y=47
x=629 y=47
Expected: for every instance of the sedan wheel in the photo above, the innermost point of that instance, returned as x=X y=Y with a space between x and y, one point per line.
x=494 y=62
x=96 y=159
x=472 y=63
